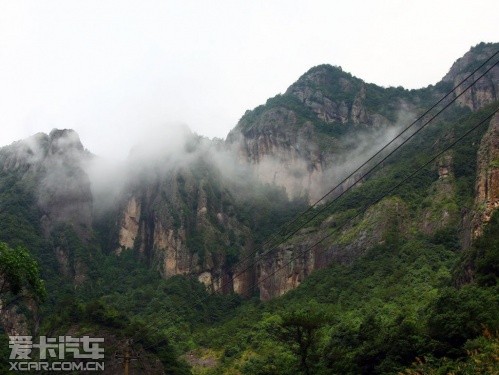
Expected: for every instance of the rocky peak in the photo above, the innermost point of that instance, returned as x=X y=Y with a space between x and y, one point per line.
x=35 y=150
x=471 y=59
x=62 y=188
x=326 y=76
x=335 y=96
x=63 y=141
x=288 y=141
x=328 y=92
x=486 y=90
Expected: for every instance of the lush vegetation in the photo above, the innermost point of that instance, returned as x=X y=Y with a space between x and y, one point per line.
x=377 y=316
x=20 y=274
x=403 y=307
x=397 y=308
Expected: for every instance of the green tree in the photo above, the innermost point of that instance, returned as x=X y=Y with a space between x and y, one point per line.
x=19 y=273
x=486 y=257
x=462 y=314
x=300 y=330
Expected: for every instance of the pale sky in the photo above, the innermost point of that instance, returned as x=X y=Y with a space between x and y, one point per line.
x=113 y=70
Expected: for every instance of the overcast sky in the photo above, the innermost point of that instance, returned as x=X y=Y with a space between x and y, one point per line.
x=112 y=70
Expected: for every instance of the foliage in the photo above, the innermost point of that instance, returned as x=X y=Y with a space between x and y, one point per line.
x=265 y=209
x=300 y=330
x=459 y=315
x=98 y=316
x=481 y=358
x=286 y=101
x=4 y=351
x=486 y=254
x=20 y=273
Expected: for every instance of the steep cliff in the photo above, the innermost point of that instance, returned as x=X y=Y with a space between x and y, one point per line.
x=487 y=183
x=486 y=90
x=182 y=220
x=298 y=140
x=50 y=170
x=283 y=150
x=283 y=268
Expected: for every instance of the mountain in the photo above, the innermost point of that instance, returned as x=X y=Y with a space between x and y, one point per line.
x=152 y=240
x=185 y=220
x=293 y=139
x=300 y=140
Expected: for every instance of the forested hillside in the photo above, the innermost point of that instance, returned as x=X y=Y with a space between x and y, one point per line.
x=214 y=257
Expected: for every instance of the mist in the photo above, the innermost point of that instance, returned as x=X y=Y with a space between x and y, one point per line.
x=158 y=153
x=371 y=145
x=161 y=151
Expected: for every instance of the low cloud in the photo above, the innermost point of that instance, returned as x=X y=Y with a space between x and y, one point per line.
x=165 y=149
x=365 y=145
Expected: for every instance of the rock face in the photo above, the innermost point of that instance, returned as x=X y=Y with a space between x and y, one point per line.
x=182 y=223
x=285 y=267
x=282 y=154
x=486 y=90
x=129 y=226
x=335 y=97
x=487 y=184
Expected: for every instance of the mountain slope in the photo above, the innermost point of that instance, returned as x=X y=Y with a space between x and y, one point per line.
x=298 y=139
x=196 y=219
